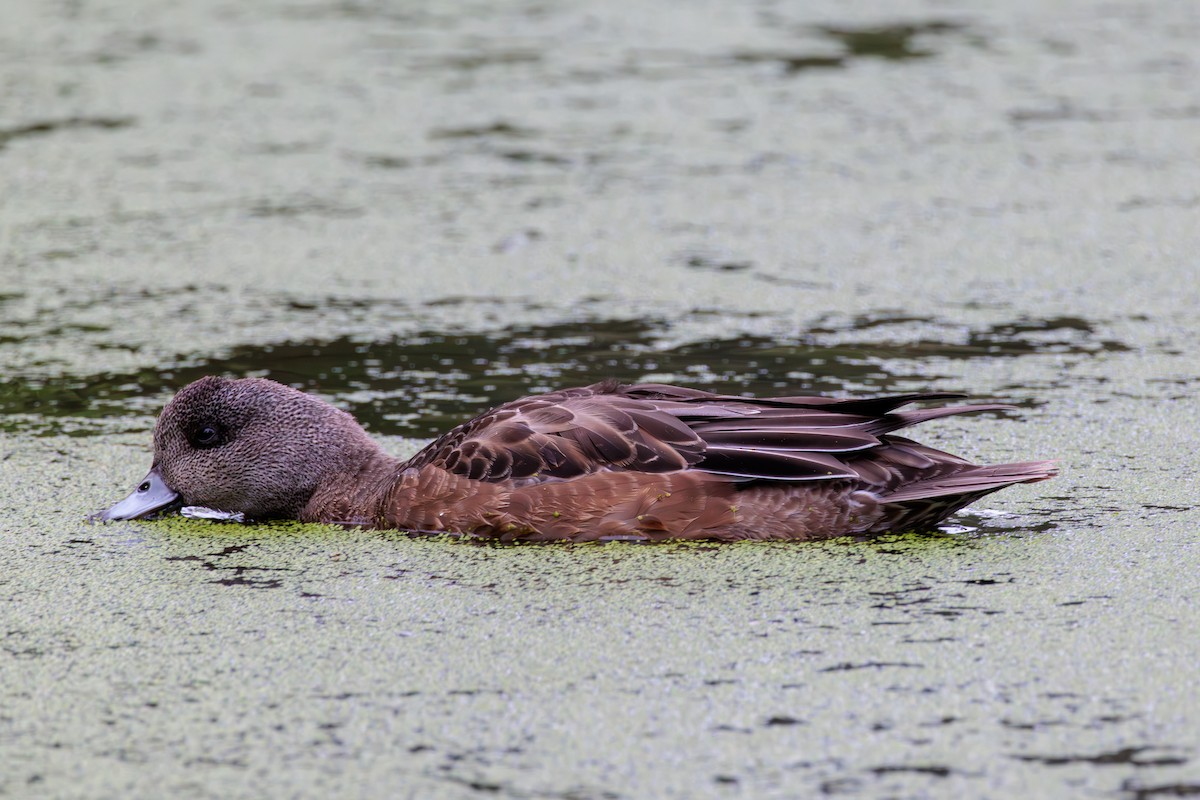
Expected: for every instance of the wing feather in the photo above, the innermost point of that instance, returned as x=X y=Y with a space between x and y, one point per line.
x=658 y=428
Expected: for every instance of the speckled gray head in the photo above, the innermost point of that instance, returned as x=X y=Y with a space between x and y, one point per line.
x=249 y=445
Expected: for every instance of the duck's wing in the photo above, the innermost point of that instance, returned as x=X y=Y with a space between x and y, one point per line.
x=659 y=428
x=565 y=434
x=811 y=438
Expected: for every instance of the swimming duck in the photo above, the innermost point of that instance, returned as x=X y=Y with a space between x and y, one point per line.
x=601 y=462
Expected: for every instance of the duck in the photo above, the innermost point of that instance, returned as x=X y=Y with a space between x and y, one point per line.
x=604 y=462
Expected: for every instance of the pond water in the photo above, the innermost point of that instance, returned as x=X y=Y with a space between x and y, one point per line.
x=417 y=213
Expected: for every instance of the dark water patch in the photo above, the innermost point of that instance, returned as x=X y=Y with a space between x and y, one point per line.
x=386 y=161
x=783 y=721
x=303 y=206
x=867 y=322
x=841 y=786
x=1036 y=725
x=921 y=601
x=475 y=692
x=1152 y=508
x=233 y=574
x=533 y=157
x=1064 y=335
x=889 y=42
x=1062 y=112
x=498 y=129
x=941 y=722
x=935 y=770
x=898 y=596
x=418 y=385
x=390 y=161
x=1141 y=792
x=786 y=281
x=287 y=148
x=1126 y=756
x=1105 y=720
x=788 y=63
x=847 y=666
x=232 y=549
x=498 y=140
x=713 y=262
x=46 y=127
x=1085 y=600
x=253 y=583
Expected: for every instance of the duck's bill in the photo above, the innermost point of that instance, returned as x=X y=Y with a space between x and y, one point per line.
x=151 y=495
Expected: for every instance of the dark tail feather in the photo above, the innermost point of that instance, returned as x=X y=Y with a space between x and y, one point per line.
x=903 y=419
x=975 y=480
x=871 y=406
x=922 y=505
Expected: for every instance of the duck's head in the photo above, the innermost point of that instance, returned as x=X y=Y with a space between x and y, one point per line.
x=249 y=445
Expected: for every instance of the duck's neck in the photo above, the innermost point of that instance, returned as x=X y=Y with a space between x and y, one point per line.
x=351 y=495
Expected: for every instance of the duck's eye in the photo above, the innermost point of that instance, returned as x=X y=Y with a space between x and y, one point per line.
x=207 y=436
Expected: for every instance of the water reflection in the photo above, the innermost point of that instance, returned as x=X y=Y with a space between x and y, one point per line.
x=419 y=385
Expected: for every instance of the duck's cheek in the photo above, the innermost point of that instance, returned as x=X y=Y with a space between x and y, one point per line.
x=233 y=495
x=198 y=484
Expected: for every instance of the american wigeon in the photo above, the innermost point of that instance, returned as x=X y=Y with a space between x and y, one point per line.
x=600 y=462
